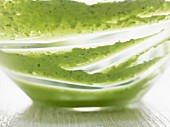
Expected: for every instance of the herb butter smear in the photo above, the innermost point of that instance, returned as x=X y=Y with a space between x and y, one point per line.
x=61 y=18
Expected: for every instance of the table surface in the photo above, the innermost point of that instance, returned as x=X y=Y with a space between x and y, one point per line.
x=17 y=110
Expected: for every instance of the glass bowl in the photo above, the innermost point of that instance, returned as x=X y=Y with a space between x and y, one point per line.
x=72 y=54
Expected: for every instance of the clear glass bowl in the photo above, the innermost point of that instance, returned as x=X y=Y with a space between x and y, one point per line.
x=73 y=54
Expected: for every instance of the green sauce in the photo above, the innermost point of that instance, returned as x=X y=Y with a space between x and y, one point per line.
x=56 y=18
x=27 y=18
x=49 y=65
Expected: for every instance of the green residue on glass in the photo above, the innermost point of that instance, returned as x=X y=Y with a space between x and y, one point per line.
x=118 y=98
x=82 y=56
x=27 y=18
x=42 y=66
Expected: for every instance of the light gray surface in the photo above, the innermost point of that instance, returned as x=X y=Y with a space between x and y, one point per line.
x=17 y=110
